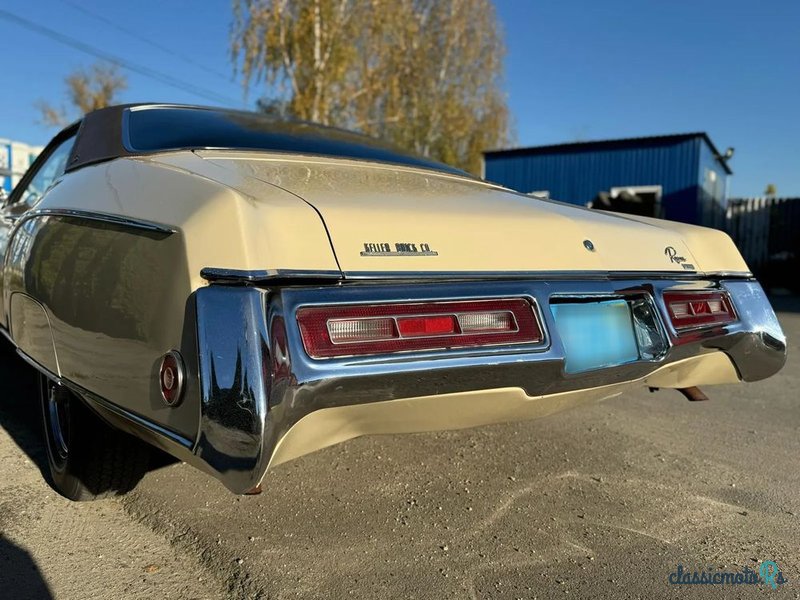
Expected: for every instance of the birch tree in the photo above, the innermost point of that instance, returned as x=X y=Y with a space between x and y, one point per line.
x=423 y=74
x=87 y=90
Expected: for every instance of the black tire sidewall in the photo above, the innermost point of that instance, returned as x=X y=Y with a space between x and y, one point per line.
x=63 y=470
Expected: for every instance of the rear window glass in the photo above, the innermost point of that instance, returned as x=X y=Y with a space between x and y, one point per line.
x=159 y=129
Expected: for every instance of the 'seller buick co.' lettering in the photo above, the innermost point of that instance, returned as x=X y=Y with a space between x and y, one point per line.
x=397 y=249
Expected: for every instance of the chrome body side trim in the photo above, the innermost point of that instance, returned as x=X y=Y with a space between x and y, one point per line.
x=129 y=422
x=107 y=409
x=257 y=381
x=99 y=217
x=155 y=428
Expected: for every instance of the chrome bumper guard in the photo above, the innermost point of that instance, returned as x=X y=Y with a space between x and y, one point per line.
x=256 y=380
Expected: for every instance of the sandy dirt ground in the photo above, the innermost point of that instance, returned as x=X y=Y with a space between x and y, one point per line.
x=53 y=548
x=600 y=501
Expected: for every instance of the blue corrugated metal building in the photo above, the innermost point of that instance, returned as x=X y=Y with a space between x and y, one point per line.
x=684 y=174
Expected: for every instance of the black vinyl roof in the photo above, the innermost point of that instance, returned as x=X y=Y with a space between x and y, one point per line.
x=140 y=129
x=615 y=144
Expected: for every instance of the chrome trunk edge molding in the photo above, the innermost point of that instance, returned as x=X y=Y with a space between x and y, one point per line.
x=271 y=276
x=541 y=275
x=216 y=275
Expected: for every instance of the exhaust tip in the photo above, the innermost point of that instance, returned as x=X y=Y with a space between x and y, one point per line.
x=693 y=394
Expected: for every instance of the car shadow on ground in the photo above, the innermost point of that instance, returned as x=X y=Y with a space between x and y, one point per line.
x=20 y=411
x=20 y=414
x=20 y=577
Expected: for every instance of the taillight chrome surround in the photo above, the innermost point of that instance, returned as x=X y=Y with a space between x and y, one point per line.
x=690 y=310
x=334 y=331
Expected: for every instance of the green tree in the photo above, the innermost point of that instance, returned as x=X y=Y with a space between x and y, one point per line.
x=423 y=74
x=87 y=90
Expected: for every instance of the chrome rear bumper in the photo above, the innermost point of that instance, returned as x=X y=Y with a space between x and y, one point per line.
x=256 y=380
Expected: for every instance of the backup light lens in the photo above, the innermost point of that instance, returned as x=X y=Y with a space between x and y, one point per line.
x=343 y=331
x=364 y=329
x=688 y=310
x=491 y=321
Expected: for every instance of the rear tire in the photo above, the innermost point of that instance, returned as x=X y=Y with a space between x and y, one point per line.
x=88 y=459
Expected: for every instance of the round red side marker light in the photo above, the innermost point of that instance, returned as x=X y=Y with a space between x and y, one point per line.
x=171 y=378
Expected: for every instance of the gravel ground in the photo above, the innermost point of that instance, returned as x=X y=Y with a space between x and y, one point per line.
x=603 y=501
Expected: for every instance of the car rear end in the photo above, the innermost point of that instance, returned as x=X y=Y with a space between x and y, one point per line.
x=441 y=302
x=318 y=362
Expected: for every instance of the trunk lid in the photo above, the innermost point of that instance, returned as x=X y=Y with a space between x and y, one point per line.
x=389 y=219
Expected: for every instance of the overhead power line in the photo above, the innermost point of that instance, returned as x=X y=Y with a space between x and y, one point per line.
x=152 y=43
x=117 y=60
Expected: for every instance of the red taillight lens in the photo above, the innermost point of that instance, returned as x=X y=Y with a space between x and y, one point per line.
x=353 y=330
x=427 y=325
x=698 y=309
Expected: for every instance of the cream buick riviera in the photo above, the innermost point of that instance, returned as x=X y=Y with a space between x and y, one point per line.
x=239 y=292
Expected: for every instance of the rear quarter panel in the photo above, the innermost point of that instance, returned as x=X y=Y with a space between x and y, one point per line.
x=116 y=301
x=116 y=298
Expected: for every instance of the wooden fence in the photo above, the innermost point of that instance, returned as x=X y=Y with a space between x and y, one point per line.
x=767 y=232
